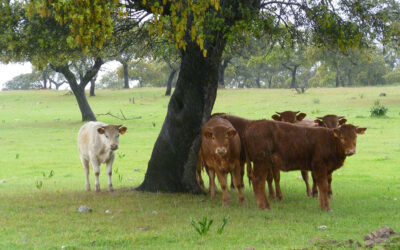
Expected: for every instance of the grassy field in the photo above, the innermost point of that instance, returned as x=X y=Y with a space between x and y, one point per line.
x=42 y=181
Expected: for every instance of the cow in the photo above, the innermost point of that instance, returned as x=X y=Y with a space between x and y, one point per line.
x=220 y=154
x=330 y=121
x=295 y=118
x=289 y=147
x=97 y=142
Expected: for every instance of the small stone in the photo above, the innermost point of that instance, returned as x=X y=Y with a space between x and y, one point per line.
x=2 y=181
x=395 y=199
x=63 y=247
x=145 y=228
x=382 y=94
x=323 y=227
x=108 y=211
x=154 y=212
x=136 y=170
x=84 y=209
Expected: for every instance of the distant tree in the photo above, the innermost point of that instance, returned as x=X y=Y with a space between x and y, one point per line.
x=24 y=82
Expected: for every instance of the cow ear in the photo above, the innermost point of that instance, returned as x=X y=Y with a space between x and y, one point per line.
x=342 y=121
x=336 y=133
x=101 y=130
x=320 y=123
x=122 y=130
x=208 y=134
x=301 y=116
x=360 y=130
x=231 y=133
x=276 y=117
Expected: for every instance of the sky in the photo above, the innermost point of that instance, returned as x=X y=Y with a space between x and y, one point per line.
x=9 y=71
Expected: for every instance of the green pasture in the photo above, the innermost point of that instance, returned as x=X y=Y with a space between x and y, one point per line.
x=42 y=181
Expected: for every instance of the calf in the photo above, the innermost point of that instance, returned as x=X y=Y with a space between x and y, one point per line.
x=330 y=121
x=298 y=119
x=289 y=147
x=97 y=142
x=220 y=154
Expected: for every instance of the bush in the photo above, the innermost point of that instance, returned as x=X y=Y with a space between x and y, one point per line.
x=378 y=110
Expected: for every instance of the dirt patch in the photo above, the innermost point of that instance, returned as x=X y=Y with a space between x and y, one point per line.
x=376 y=237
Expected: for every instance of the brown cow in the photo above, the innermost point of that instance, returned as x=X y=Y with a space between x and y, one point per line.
x=295 y=118
x=220 y=154
x=330 y=121
x=290 y=147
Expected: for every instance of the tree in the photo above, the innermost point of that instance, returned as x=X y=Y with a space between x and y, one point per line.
x=200 y=29
x=24 y=82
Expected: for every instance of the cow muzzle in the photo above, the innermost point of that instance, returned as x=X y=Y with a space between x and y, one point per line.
x=221 y=151
x=114 y=147
x=350 y=152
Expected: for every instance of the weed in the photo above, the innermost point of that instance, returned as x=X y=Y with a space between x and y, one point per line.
x=202 y=226
x=361 y=95
x=316 y=101
x=224 y=221
x=120 y=177
x=316 y=111
x=378 y=110
x=121 y=155
x=39 y=184
x=17 y=156
x=51 y=174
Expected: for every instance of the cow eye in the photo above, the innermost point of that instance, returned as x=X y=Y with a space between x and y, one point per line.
x=107 y=136
x=213 y=137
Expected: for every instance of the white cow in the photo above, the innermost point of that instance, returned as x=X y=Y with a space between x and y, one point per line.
x=97 y=142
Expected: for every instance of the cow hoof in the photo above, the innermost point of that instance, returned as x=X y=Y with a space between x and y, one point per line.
x=97 y=188
x=315 y=195
x=87 y=188
x=225 y=204
x=330 y=196
x=243 y=203
x=110 y=189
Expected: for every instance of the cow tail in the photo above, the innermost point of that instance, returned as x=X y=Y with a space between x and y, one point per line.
x=199 y=168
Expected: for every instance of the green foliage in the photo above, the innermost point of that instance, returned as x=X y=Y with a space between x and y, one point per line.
x=39 y=184
x=24 y=82
x=224 y=221
x=202 y=226
x=393 y=77
x=316 y=101
x=378 y=110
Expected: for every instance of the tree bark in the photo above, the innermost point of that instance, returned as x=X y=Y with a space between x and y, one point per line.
x=173 y=161
x=126 y=75
x=169 y=83
x=293 y=84
x=79 y=89
x=258 y=81
x=44 y=80
x=92 y=86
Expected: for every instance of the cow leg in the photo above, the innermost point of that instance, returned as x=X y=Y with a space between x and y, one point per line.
x=238 y=181
x=85 y=164
x=304 y=174
x=211 y=175
x=109 y=173
x=96 y=171
x=258 y=180
x=277 y=179
x=222 y=178
x=322 y=182
x=270 y=178
x=330 y=194
x=314 y=186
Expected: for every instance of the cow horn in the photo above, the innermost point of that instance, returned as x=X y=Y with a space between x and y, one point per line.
x=340 y=117
x=297 y=112
x=320 y=118
x=278 y=113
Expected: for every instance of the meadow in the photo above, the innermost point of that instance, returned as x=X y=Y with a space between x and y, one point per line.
x=42 y=181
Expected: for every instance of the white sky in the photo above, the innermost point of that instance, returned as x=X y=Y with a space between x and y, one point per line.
x=9 y=71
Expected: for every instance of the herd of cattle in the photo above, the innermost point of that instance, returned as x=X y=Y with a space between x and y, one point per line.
x=290 y=142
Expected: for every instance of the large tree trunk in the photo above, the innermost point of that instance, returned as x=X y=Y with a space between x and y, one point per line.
x=173 y=161
x=126 y=75
x=258 y=81
x=44 y=80
x=169 y=83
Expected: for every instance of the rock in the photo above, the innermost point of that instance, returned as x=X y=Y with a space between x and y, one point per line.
x=145 y=228
x=63 y=247
x=136 y=170
x=154 y=212
x=2 y=181
x=382 y=94
x=84 y=209
x=378 y=236
x=323 y=227
x=108 y=211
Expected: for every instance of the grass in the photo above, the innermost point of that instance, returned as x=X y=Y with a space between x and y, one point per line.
x=44 y=180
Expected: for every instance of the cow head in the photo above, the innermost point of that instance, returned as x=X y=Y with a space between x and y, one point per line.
x=347 y=134
x=218 y=138
x=289 y=116
x=330 y=121
x=111 y=135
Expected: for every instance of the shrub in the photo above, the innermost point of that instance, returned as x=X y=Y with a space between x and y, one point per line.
x=378 y=110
